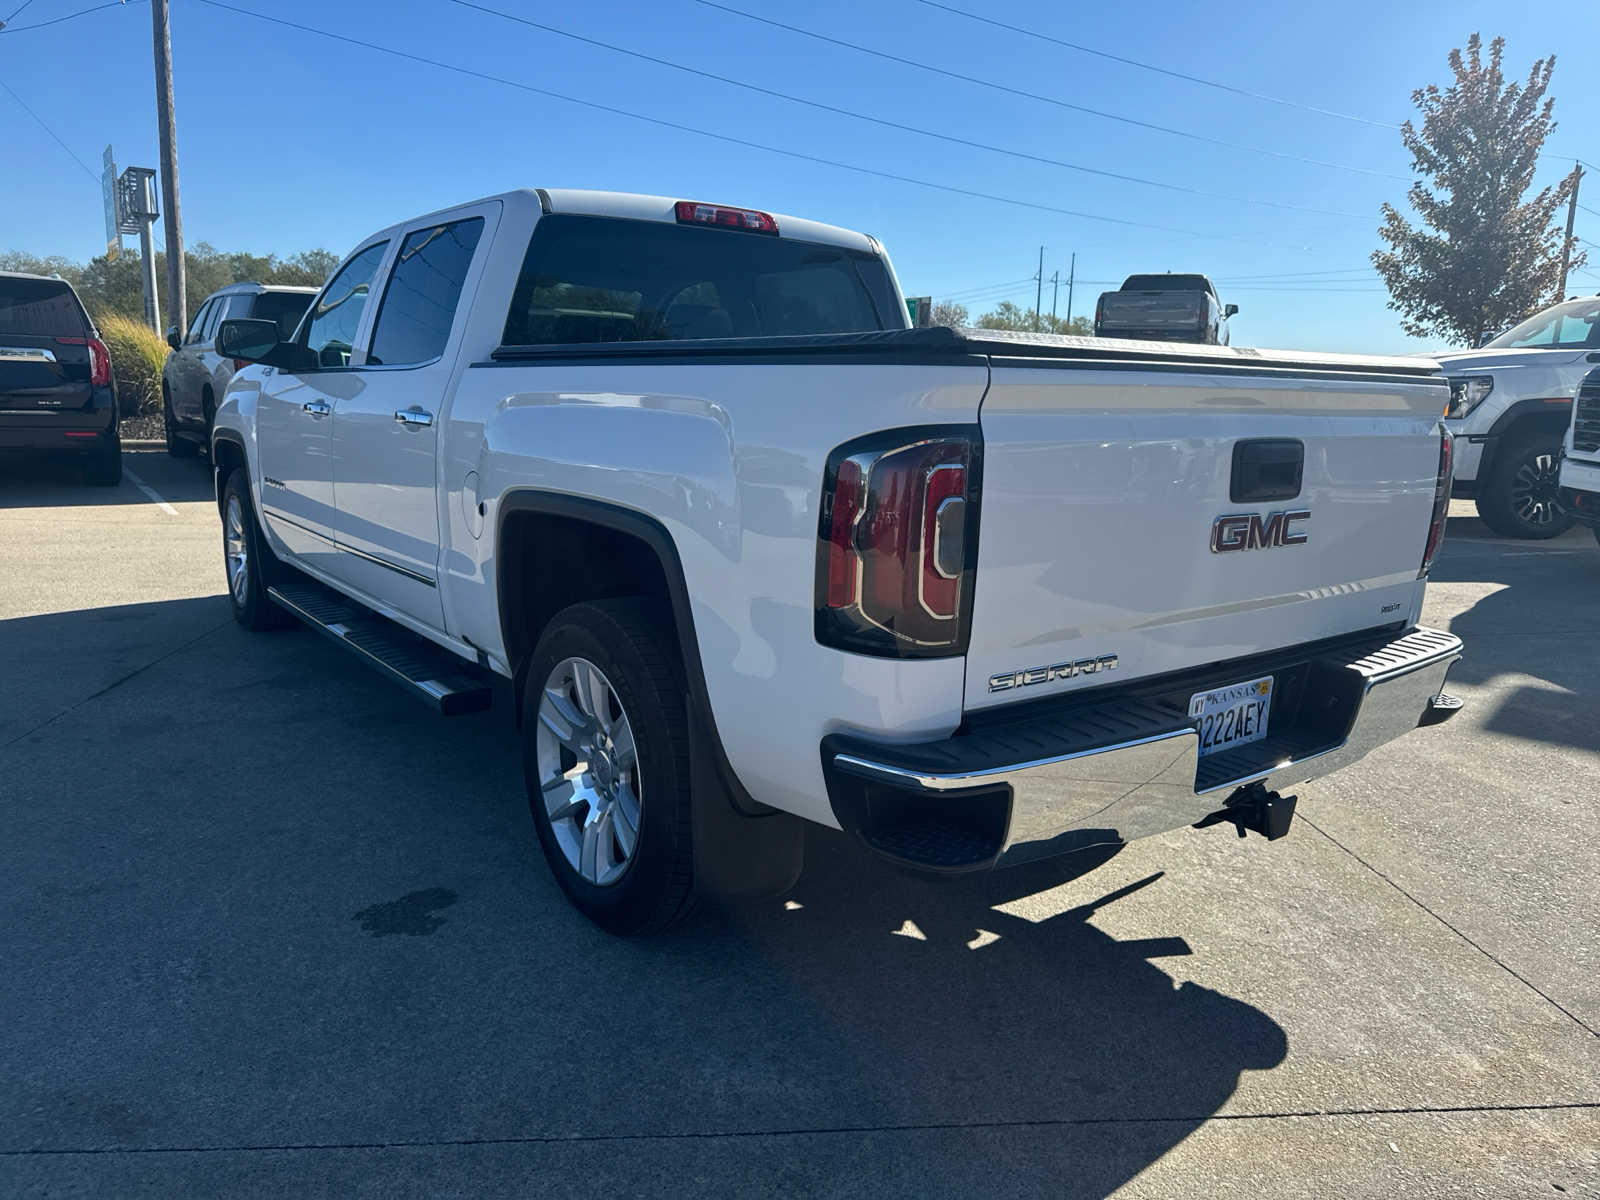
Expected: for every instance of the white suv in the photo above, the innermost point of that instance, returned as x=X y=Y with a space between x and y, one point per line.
x=1510 y=404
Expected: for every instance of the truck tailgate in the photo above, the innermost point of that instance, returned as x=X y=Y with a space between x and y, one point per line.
x=1102 y=482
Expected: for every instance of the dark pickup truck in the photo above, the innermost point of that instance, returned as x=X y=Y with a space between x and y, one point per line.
x=56 y=392
x=1164 y=308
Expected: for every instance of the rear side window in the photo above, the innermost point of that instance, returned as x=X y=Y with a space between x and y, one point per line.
x=604 y=279
x=419 y=301
x=39 y=308
x=286 y=308
x=334 y=321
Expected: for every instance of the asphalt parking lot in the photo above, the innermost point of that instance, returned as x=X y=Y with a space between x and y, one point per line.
x=267 y=925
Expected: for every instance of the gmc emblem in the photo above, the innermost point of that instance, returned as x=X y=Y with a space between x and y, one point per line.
x=1248 y=531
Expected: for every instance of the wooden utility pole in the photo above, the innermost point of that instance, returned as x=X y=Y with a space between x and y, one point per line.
x=1566 y=246
x=177 y=292
x=1072 y=274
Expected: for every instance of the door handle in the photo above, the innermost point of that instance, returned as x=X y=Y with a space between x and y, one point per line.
x=414 y=418
x=317 y=408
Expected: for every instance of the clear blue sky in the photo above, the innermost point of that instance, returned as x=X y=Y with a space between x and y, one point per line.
x=288 y=140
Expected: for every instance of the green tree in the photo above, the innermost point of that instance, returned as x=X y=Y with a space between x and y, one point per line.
x=117 y=288
x=1010 y=316
x=1485 y=257
x=947 y=312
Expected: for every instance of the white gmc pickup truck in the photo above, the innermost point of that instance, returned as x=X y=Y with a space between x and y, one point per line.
x=754 y=553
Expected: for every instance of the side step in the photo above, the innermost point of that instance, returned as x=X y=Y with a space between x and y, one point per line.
x=430 y=673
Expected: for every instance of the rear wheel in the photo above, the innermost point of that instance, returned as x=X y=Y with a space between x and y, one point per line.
x=606 y=759
x=1520 y=497
x=104 y=468
x=247 y=559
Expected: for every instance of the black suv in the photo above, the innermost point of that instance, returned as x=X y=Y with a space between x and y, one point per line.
x=56 y=392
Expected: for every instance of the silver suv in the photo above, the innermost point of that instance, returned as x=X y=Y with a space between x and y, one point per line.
x=195 y=375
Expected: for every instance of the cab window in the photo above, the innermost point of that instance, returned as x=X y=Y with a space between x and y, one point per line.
x=419 y=301
x=331 y=329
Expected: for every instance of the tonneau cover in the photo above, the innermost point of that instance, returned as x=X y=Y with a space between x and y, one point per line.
x=1003 y=347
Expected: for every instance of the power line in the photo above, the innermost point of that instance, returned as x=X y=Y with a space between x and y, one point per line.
x=1015 y=91
x=1144 y=66
x=87 y=169
x=20 y=7
x=721 y=137
x=82 y=12
x=898 y=125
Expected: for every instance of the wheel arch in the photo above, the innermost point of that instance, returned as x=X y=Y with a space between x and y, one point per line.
x=527 y=516
x=1523 y=417
x=227 y=455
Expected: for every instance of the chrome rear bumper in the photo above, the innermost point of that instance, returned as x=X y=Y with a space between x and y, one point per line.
x=1125 y=768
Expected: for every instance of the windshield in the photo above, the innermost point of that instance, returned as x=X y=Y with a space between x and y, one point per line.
x=1166 y=283
x=1574 y=325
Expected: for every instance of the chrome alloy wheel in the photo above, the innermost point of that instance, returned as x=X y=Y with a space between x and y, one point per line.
x=1536 y=490
x=588 y=771
x=236 y=550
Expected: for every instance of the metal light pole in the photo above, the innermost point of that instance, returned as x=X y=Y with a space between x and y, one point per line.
x=1072 y=274
x=177 y=293
x=137 y=211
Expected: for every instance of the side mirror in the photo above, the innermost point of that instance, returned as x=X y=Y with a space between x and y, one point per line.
x=253 y=340
x=172 y=337
x=1229 y=310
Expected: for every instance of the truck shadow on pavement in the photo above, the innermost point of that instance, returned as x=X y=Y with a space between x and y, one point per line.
x=954 y=1015
x=56 y=481
x=193 y=887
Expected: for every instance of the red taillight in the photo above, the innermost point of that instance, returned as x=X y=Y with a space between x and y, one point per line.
x=240 y=364
x=894 y=570
x=849 y=494
x=691 y=213
x=1441 y=503
x=99 y=359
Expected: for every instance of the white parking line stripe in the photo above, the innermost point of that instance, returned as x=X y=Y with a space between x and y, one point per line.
x=150 y=492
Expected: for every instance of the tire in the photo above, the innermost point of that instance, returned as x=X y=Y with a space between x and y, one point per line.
x=248 y=562
x=1519 y=496
x=616 y=658
x=177 y=445
x=104 y=467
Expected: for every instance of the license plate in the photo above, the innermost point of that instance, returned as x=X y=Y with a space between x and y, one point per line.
x=1231 y=716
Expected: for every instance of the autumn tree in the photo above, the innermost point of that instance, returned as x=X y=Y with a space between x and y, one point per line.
x=1484 y=258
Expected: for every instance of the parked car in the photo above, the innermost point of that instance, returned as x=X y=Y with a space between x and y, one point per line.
x=1164 y=308
x=195 y=375
x=1510 y=405
x=1580 y=463
x=56 y=390
x=753 y=553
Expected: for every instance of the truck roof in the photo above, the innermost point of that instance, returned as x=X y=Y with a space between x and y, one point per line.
x=638 y=206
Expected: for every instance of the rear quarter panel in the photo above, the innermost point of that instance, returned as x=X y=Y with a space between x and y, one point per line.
x=729 y=458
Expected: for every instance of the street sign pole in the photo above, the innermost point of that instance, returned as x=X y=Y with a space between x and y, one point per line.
x=108 y=193
x=136 y=213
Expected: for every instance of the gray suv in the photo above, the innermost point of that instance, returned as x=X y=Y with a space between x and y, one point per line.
x=195 y=375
